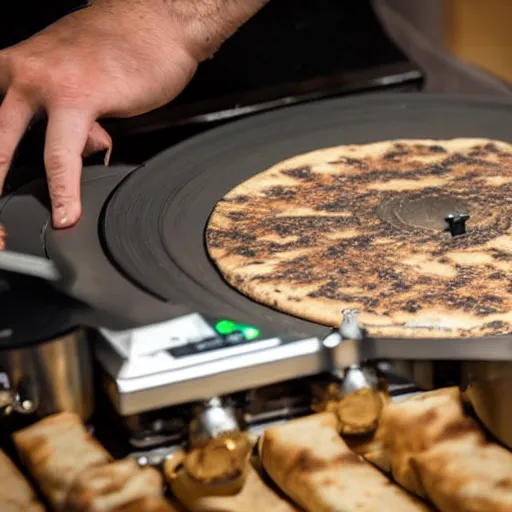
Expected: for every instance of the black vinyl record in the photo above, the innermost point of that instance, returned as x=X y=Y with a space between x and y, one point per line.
x=139 y=250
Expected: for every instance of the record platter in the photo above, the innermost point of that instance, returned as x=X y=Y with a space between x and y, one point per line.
x=169 y=331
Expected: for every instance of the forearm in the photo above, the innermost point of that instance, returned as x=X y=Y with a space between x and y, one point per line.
x=211 y=22
x=205 y=24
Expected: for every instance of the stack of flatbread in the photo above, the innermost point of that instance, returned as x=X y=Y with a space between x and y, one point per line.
x=16 y=494
x=427 y=444
x=426 y=454
x=202 y=481
x=254 y=495
x=435 y=450
x=312 y=464
x=76 y=474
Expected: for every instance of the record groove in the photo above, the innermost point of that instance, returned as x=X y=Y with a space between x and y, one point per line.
x=154 y=223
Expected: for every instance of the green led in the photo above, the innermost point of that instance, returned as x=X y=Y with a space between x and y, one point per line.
x=250 y=333
x=225 y=327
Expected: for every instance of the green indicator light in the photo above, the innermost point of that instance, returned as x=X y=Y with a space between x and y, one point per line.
x=250 y=333
x=225 y=327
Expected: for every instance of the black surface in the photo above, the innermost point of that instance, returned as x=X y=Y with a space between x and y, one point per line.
x=32 y=312
x=291 y=49
x=140 y=138
x=153 y=227
x=118 y=303
x=154 y=223
x=287 y=41
x=195 y=116
x=19 y=19
x=295 y=40
x=25 y=215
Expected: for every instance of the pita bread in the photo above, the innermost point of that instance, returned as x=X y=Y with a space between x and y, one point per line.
x=112 y=487
x=308 y=460
x=254 y=496
x=55 y=451
x=16 y=494
x=372 y=448
x=362 y=227
x=437 y=451
x=151 y=505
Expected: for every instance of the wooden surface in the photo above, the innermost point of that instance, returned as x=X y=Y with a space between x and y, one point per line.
x=479 y=32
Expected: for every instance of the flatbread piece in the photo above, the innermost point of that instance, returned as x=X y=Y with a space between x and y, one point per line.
x=55 y=451
x=251 y=494
x=16 y=494
x=437 y=451
x=310 y=462
x=363 y=227
x=115 y=486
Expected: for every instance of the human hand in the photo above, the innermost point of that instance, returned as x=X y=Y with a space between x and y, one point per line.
x=112 y=59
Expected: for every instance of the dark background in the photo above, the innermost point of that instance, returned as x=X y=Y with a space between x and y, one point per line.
x=287 y=41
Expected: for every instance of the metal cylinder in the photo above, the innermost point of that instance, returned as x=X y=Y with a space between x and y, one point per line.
x=49 y=377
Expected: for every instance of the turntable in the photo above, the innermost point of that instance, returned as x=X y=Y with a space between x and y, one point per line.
x=169 y=332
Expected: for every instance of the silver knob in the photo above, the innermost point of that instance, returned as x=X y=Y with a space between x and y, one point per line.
x=354 y=380
x=350 y=328
x=212 y=421
x=11 y=400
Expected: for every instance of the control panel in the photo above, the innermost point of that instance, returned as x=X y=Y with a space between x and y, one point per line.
x=196 y=357
x=226 y=334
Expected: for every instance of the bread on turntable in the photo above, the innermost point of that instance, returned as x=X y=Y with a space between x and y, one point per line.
x=181 y=336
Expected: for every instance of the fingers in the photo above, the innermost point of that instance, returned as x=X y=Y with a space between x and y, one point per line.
x=2 y=238
x=98 y=140
x=15 y=116
x=66 y=137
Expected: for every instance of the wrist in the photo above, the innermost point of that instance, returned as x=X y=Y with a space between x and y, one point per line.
x=206 y=24
x=199 y=26
x=163 y=31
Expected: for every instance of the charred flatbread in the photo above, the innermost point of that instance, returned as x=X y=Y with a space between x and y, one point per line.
x=16 y=494
x=437 y=451
x=364 y=227
x=115 y=487
x=55 y=451
x=310 y=462
x=152 y=505
x=235 y=492
x=254 y=496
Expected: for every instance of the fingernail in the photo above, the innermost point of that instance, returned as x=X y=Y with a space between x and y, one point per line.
x=60 y=217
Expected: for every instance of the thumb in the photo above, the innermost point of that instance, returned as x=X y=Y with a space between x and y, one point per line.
x=66 y=136
x=98 y=140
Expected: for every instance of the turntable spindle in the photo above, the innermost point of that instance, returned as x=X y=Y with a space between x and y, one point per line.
x=457 y=223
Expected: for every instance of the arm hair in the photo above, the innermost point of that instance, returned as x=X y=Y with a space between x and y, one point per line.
x=206 y=23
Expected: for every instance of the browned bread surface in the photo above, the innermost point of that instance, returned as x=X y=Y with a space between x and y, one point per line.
x=437 y=451
x=310 y=462
x=55 y=451
x=351 y=227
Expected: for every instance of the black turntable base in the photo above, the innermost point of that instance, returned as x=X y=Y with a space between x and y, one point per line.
x=139 y=250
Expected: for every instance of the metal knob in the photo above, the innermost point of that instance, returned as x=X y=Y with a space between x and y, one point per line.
x=350 y=328
x=213 y=420
x=355 y=379
x=12 y=400
x=343 y=343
